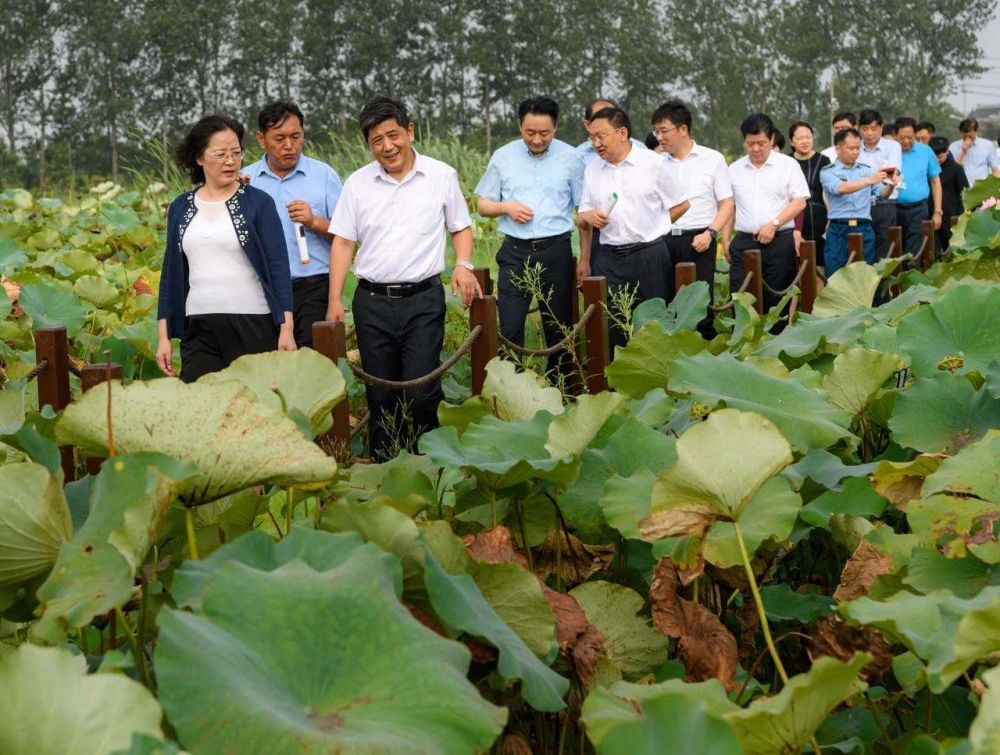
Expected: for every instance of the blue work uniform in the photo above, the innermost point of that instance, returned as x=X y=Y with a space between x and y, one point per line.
x=848 y=213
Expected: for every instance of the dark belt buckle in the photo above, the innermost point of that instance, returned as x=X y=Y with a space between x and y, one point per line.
x=537 y=244
x=389 y=291
x=852 y=223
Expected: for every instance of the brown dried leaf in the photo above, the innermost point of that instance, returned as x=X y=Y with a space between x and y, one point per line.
x=900 y=482
x=579 y=640
x=515 y=743
x=749 y=621
x=860 y=571
x=481 y=652
x=141 y=286
x=835 y=637
x=676 y=523
x=495 y=546
x=576 y=560
x=13 y=292
x=704 y=645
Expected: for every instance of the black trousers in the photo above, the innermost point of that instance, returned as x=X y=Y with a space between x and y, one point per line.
x=883 y=217
x=557 y=279
x=211 y=342
x=400 y=339
x=814 y=227
x=597 y=253
x=309 y=300
x=704 y=266
x=777 y=261
x=910 y=220
x=646 y=270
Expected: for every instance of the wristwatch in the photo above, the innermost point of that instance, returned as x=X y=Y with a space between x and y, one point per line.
x=775 y=222
x=466 y=264
x=714 y=233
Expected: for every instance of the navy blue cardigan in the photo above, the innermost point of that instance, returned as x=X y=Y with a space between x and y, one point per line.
x=258 y=228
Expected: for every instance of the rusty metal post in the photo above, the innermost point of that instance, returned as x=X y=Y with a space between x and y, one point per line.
x=484 y=348
x=52 y=346
x=684 y=275
x=807 y=286
x=751 y=264
x=330 y=340
x=930 y=253
x=855 y=248
x=91 y=376
x=595 y=291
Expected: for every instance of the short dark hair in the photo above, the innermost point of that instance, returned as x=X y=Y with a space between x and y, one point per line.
x=757 y=123
x=382 y=109
x=618 y=118
x=778 y=140
x=796 y=126
x=538 y=106
x=588 y=113
x=869 y=115
x=193 y=145
x=905 y=121
x=841 y=136
x=938 y=144
x=925 y=126
x=845 y=115
x=274 y=114
x=888 y=129
x=651 y=141
x=967 y=125
x=674 y=111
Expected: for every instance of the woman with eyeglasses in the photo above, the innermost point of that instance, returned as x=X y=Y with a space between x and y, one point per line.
x=225 y=286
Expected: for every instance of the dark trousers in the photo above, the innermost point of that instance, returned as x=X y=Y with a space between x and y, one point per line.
x=909 y=219
x=598 y=253
x=943 y=235
x=211 y=342
x=644 y=269
x=883 y=217
x=557 y=282
x=814 y=226
x=836 y=245
x=309 y=300
x=704 y=266
x=400 y=339
x=777 y=261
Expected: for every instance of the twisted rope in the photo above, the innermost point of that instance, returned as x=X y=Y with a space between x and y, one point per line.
x=915 y=257
x=402 y=385
x=793 y=284
x=729 y=304
x=37 y=370
x=565 y=343
x=73 y=369
x=361 y=425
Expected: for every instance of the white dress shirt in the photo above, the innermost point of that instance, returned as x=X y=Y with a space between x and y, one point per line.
x=400 y=224
x=830 y=152
x=977 y=159
x=642 y=211
x=703 y=179
x=886 y=153
x=762 y=193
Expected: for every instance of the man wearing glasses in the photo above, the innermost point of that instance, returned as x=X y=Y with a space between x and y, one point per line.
x=701 y=175
x=306 y=192
x=627 y=196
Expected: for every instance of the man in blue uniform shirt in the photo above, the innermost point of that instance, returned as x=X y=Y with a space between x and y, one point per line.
x=306 y=192
x=850 y=186
x=920 y=179
x=532 y=184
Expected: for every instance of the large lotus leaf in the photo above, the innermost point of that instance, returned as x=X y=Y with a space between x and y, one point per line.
x=782 y=603
x=307 y=380
x=721 y=464
x=928 y=571
x=684 y=312
x=950 y=522
x=644 y=364
x=12 y=256
x=822 y=467
x=54 y=707
x=958 y=331
x=94 y=572
x=805 y=417
x=770 y=514
x=233 y=438
x=294 y=660
x=857 y=376
x=52 y=307
x=34 y=521
x=507 y=394
x=992 y=375
x=857 y=498
x=892 y=310
x=942 y=414
x=672 y=721
x=984 y=734
x=850 y=287
x=949 y=633
x=811 y=334
x=900 y=482
x=783 y=724
x=572 y=432
x=973 y=472
x=629 y=640
x=501 y=454
x=460 y=604
x=96 y=290
x=980 y=191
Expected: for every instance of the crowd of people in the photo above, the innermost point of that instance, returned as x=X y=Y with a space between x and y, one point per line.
x=256 y=255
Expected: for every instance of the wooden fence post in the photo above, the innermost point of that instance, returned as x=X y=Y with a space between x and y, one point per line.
x=91 y=376
x=930 y=253
x=484 y=279
x=684 y=275
x=807 y=286
x=855 y=247
x=751 y=264
x=51 y=345
x=595 y=291
x=484 y=348
x=330 y=340
x=954 y=220
x=896 y=241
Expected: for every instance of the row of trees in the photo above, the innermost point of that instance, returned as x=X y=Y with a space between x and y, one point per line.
x=88 y=85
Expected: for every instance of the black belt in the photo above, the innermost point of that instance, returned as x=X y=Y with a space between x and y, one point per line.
x=629 y=248
x=539 y=243
x=885 y=201
x=398 y=290
x=910 y=205
x=687 y=232
x=851 y=221
x=748 y=234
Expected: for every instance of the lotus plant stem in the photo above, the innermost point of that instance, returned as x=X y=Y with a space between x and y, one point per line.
x=111 y=429
x=523 y=532
x=288 y=509
x=927 y=713
x=192 y=541
x=493 y=507
x=82 y=634
x=140 y=661
x=562 y=734
x=760 y=605
x=878 y=721
x=694 y=590
x=275 y=523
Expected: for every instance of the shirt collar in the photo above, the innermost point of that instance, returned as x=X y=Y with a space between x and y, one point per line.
x=300 y=167
x=695 y=151
x=419 y=166
x=768 y=161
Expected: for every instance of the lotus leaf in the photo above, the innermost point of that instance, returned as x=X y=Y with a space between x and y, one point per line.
x=237 y=675
x=900 y=482
x=625 y=501
x=645 y=363
x=984 y=734
x=684 y=311
x=34 y=521
x=54 y=707
x=572 y=432
x=928 y=571
x=857 y=376
x=973 y=472
x=857 y=498
x=770 y=514
x=507 y=394
x=50 y=307
x=848 y=289
x=824 y=468
x=782 y=603
x=233 y=438
x=811 y=334
x=980 y=191
x=943 y=413
x=96 y=290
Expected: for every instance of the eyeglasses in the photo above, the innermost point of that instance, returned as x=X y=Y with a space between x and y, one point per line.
x=235 y=155
x=663 y=131
x=601 y=138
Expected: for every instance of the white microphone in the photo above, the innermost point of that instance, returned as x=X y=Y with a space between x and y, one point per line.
x=300 y=237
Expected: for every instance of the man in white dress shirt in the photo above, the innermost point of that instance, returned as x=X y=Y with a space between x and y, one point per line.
x=398 y=208
x=972 y=152
x=701 y=175
x=840 y=122
x=770 y=190
x=627 y=197
x=878 y=154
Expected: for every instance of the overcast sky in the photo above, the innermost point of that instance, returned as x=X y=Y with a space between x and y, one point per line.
x=986 y=89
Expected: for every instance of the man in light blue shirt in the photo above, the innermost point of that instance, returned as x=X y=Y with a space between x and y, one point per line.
x=305 y=192
x=850 y=187
x=920 y=179
x=879 y=153
x=532 y=184
x=972 y=152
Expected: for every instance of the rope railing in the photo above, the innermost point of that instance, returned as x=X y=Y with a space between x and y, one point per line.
x=793 y=284
x=729 y=304
x=566 y=343
x=356 y=430
x=74 y=370
x=915 y=257
x=37 y=370
x=402 y=385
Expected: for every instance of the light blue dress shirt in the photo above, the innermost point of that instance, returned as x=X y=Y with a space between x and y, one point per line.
x=857 y=204
x=314 y=182
x=549 y=184
x=919 y=166
x=977 y=159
